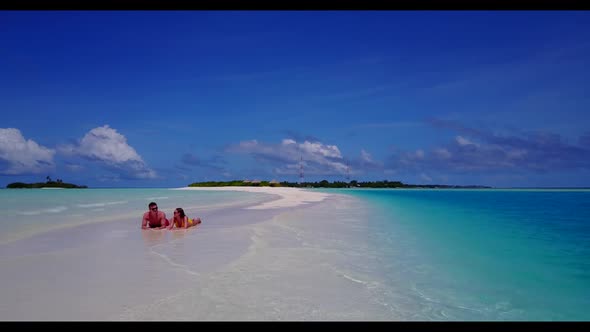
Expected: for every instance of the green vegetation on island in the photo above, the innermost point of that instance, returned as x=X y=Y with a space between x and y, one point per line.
x=58 y=183
x=326 y=184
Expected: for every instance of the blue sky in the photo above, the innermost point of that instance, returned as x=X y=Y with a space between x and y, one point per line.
x=164 y=99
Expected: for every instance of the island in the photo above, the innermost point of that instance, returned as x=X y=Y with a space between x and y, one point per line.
x=326 y=184
x=58 y=183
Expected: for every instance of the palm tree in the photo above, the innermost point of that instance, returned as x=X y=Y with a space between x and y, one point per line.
x=48 y=178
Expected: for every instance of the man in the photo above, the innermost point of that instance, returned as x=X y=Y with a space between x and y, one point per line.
x=154 y=218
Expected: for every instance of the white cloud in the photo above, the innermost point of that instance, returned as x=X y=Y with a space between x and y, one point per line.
x=288 y=141
x=249 y=144
x=419 y=154
x=318 y=158
x=74 y=167
x=464 y=141
x=393 y=125
x=368 y=162
x=442 y=153
x=539 y=152
x=107 y=146
x=516 y=153
x=425 y=177
x=21 y=156
x=412 y=157
x=365 y=156
x=109 y=178
x=320 y=149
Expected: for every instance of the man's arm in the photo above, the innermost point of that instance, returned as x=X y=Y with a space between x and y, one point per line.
x=144 y=222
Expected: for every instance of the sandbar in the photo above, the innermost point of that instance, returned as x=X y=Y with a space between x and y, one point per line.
x=288 y=197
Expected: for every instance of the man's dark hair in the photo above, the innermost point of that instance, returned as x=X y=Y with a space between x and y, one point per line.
x=151 y=204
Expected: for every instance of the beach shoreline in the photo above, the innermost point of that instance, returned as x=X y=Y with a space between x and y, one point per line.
x=259 y=244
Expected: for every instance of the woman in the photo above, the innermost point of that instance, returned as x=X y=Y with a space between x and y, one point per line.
x=182 y=221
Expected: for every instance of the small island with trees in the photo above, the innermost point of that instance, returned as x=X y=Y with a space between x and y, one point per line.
x=326 y=184
x=58 y=183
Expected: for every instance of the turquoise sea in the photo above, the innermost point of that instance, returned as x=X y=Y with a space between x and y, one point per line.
x=485 y=254
x=363 y=254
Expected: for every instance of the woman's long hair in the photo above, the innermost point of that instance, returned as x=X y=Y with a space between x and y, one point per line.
x=180 y=212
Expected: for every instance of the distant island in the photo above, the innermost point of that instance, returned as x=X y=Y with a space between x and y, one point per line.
x=326 y=184
x=58 y=183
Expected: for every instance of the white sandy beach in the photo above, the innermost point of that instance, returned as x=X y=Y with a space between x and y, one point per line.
x=282 y=254
x=289 y=197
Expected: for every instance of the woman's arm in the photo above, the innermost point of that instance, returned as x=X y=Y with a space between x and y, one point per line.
x=171 y=223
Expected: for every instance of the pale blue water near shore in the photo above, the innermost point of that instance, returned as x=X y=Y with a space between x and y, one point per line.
x=359 y=255
x=28 y=212
x=485 y=254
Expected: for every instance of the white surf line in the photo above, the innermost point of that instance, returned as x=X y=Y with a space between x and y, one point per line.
x=154 y=198
x=100 y=204
x=353 y=279
x=425 y=297
x=345 y=276
x=56 y=209
x=169 y=261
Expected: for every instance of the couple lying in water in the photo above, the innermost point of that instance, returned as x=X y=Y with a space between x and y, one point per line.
x=157 y=219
